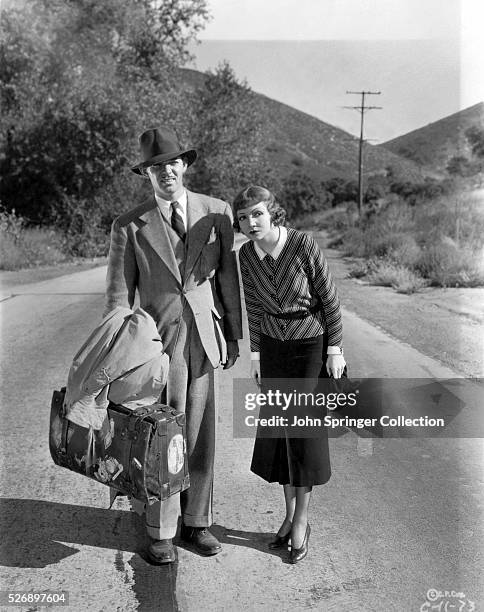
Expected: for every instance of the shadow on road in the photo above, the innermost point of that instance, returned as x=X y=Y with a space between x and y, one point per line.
x=249 y=539
x=33 y=532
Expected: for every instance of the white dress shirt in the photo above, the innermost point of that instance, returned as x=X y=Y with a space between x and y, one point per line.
x=165 y=207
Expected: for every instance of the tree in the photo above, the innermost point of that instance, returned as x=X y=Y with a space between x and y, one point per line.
x=341 y=190
x=415 y=193
x=79 y=79
x=227 y=127
x=378 y=187
x=301 y=194
x=459 y=165
x=475 y=137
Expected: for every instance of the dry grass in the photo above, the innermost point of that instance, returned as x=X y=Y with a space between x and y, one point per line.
x=34 y=247
x=438 y=243
x=23 y=247
x=403 y=280
x=447 y=265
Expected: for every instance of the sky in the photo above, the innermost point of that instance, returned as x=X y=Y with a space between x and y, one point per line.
x=444 y=65
x=334 y=19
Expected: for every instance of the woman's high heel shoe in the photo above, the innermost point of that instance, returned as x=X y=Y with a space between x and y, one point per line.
x=280 y=541
x=298 y=554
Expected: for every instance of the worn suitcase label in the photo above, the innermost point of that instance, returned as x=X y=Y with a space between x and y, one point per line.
x=176 y=454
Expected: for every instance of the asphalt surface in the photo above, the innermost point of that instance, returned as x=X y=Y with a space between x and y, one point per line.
x=398 y=518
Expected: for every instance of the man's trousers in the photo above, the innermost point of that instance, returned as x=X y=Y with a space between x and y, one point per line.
x=190 y=389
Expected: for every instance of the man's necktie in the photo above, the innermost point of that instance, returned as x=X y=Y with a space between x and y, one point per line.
x=177 y=220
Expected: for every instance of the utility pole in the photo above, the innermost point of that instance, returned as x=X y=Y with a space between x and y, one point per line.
x=362 y=109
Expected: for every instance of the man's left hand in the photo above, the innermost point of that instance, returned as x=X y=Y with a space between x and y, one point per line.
x=232 y=353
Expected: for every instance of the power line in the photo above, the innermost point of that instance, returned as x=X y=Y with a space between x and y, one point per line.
x=362 y=109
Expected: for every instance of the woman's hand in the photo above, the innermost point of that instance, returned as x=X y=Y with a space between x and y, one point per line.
x=335 y=365
x=255 y=370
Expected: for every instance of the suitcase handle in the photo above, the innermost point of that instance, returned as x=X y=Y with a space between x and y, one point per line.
x=142 y=413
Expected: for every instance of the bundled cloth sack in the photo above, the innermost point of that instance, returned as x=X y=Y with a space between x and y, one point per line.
x=121 y=362
x=108 y=425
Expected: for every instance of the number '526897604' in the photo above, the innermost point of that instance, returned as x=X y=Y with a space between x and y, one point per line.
x=19 y=598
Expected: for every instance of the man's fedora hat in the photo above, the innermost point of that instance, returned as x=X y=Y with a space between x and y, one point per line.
x=159 y=145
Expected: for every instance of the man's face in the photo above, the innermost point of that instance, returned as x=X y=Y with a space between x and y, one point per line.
x=167 y=178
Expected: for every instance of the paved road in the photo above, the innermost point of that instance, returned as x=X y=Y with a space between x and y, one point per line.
x=397 y=519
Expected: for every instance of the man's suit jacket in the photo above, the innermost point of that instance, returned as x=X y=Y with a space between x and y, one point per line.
x=142 y=257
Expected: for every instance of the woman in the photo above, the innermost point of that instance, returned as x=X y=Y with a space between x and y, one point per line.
x=295 y=333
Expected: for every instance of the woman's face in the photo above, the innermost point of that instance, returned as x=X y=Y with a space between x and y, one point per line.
x=255 y=221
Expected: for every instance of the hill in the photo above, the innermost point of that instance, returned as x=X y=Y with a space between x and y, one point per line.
x=298 y=141
x=419 y=80
x=436 y=143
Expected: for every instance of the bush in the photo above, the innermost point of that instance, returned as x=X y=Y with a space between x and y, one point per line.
x=353 y=243
x=12 y=256
x=310 y=222
x=32 y=247
x=340 y=218
x=405 y=251
x=389 y=274
x=376 y=236
x=87 y=231
x=445 y=265
x=358 y=242
x=401 y=248
x=438 y=243
x=395 y=218
x=359 y=269
x=460 y=216
x=11 y=224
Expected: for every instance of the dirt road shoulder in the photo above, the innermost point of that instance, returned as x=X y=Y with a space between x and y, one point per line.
x=445 y=324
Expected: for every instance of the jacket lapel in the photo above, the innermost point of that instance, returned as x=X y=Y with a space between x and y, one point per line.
x=155 y=232
x=199 y=226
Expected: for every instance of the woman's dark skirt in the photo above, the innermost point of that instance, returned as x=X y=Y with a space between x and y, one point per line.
x=298 y=461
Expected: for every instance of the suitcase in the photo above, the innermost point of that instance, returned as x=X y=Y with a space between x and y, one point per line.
x=141 y=453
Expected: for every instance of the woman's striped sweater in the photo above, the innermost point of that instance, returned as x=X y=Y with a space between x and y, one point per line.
x=290 y=283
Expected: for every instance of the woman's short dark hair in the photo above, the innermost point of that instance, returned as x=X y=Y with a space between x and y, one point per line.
x=253 y=194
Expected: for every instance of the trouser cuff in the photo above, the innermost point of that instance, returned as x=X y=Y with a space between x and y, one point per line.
x=160 y=533
x=191 y=520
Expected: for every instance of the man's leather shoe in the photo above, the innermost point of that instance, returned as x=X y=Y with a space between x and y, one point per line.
x=203 y=541
x=161 y=551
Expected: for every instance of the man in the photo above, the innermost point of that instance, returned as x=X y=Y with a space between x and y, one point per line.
x=176 y=250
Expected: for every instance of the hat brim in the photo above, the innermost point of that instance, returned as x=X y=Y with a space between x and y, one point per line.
x=189 y=154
